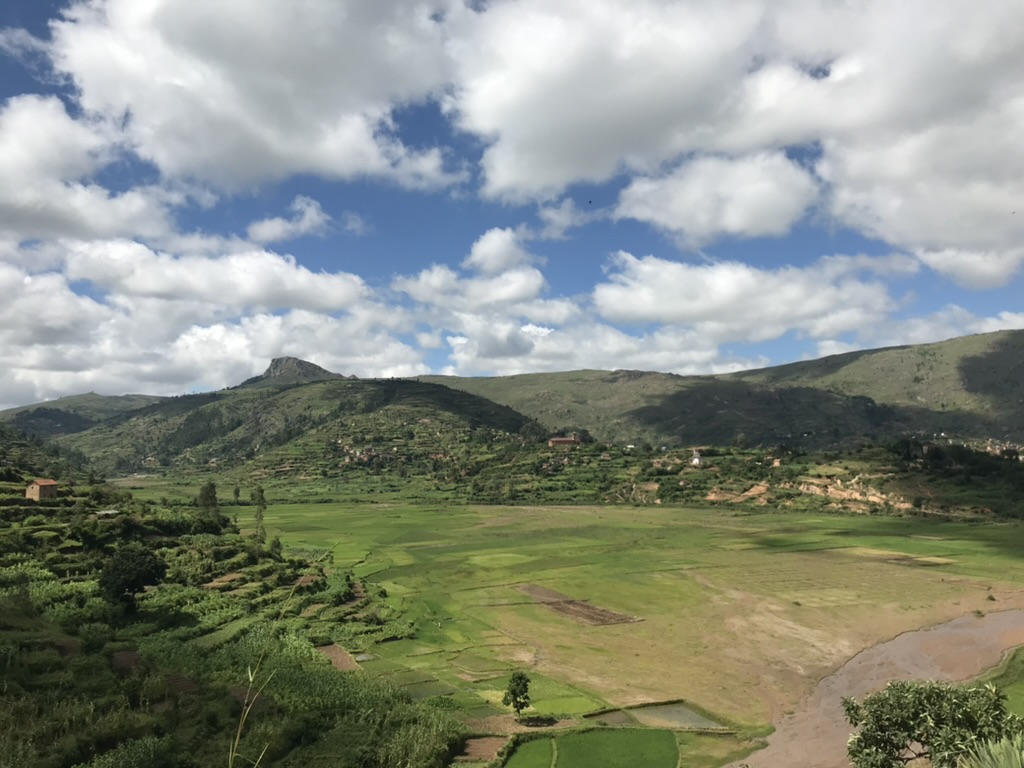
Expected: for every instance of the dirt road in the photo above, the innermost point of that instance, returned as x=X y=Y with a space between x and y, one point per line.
x=815 y=735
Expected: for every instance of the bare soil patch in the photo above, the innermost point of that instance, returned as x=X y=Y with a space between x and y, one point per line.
x=482 y=749
x=962 y=649
x=508 y=724
x=222 y=581
x=68 y=646
x=312 y=610
x=900 y=558
x=578 y=610
x=126 y=661
x=182 y=684
x=340 y=658
x=306 y=579
x=615 y=717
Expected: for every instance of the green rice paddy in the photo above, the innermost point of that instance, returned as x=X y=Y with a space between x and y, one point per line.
x=458 y=573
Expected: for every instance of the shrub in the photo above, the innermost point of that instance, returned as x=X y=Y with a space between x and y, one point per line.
x=94 y=636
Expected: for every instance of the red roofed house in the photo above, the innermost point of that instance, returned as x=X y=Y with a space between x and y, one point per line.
x=555 y=442
x=41 y=489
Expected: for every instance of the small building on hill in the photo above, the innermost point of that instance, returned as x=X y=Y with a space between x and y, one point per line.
x=40 y=489
x=696 y=460
x=564 y=442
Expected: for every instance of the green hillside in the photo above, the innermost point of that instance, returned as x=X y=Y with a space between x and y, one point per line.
x=72 y=414
x=977 y=377
x=661 y=409
x=970 y=386
x=23 y=458
x=145 y=637
x=249 y=423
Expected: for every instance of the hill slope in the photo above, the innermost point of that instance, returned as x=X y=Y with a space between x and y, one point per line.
x=979 y=376
x=968 y=387
x=72 y=414
x=971 y=386
x=247 y=422
x=663 y=409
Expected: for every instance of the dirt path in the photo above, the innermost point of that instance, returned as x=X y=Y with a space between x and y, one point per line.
x=815 y=735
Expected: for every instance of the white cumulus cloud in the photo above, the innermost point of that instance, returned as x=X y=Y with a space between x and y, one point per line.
x=497 y=250
x=733 y=301
x=234 y=93
x=761 y=194
x=308 y=219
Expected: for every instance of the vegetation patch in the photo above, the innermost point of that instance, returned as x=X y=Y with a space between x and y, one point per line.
x=536 y=753
x=617 y=748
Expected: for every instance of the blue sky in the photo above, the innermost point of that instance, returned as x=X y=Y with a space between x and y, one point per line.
x=388 y=189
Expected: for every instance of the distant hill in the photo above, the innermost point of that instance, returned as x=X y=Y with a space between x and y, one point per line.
x=22 y=458
x=971 y=380
x=969 y=386
x=662 y=409
x=244 y=423
x=72 y=414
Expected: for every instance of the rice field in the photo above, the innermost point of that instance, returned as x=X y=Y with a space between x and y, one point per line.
x=737 y=612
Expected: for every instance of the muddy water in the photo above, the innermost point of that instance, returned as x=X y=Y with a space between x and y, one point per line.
x=815 y=734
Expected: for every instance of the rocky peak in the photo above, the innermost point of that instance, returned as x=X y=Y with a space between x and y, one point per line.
x=292 y=370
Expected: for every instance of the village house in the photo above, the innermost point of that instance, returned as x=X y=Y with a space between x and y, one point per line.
x=564 y=442
x=41 y=489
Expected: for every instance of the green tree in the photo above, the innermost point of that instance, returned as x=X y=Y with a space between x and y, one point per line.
x=207 y=500
x=910 y=720
x=261 y=507
x=131 y=568
x=517 y=695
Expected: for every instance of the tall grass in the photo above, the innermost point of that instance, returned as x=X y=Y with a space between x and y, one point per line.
x=1007 y=752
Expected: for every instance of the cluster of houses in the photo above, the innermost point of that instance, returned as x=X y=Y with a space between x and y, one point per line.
x=574 y=439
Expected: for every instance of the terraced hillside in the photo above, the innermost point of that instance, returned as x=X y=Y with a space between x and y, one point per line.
x=246 y=423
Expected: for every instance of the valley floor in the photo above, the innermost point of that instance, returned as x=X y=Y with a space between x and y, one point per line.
x=738 y=613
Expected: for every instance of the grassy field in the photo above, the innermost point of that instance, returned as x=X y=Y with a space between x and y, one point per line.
x=1010 y=679
x=626 y=747
x=728 y=603
x=616 y=748
x=532 y=754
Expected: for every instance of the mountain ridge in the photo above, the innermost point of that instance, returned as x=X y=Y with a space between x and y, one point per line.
x=971 y=387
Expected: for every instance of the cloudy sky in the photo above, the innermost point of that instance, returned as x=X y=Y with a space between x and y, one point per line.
x=190 y=188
